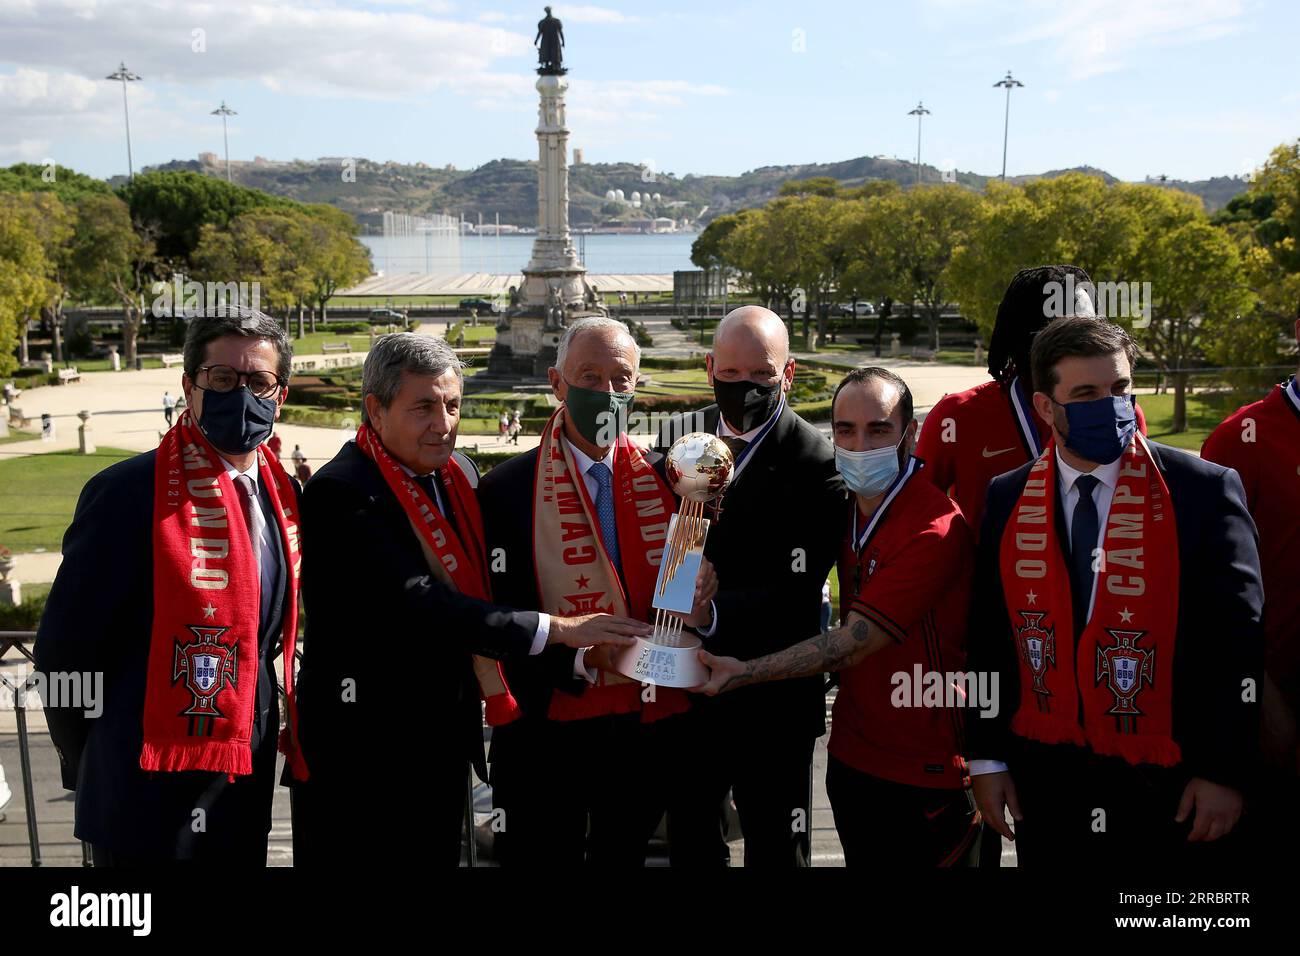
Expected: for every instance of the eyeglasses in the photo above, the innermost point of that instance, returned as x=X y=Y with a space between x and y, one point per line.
x=223 y=378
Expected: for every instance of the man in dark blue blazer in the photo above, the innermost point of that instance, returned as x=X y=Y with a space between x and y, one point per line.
x=1156 y=773
x=99 y=616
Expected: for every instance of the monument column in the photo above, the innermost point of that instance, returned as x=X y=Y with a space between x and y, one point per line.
x=554 y=260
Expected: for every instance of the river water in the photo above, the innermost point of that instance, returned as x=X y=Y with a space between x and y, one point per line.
x=659 y=254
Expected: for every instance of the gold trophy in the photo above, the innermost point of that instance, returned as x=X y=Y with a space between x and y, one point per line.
x=698 y=468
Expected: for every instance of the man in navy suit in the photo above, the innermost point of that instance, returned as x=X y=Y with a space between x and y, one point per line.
x=101 y=609
x=1128 y=648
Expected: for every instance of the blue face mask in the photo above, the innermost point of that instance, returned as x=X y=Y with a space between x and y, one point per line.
x=870 y=472
x=1101 y=429
x=237 y=421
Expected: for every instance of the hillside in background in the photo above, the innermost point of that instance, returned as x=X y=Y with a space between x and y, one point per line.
x=509 y=186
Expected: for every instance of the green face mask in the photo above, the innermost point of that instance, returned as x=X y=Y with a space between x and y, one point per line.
x=600 y=417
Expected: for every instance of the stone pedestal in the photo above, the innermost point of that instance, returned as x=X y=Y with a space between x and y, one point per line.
x=85 y=441
x=895 y=347
x=114 y=360
x=11 y=594
x=979 y=352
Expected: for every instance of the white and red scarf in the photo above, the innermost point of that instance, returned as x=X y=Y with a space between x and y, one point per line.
x=203 y=655
x=1119 y=675
x=457 y=560
x=575 y=574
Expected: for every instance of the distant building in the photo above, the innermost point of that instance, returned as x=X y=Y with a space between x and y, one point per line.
x=208 y=159
x=577 y=157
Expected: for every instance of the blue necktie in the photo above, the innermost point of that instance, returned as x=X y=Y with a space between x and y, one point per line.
x=1083 y=540
x=605 y=509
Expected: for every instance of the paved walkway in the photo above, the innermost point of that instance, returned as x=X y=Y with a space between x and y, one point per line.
x=126 y=412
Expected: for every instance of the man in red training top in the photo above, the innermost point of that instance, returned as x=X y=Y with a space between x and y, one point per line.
x=905 y=573
x=1262 y=443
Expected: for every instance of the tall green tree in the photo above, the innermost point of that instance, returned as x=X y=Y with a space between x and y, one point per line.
x=24 y=286
x=114 y=259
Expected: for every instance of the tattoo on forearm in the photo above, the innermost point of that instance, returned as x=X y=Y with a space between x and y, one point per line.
x=825 y=652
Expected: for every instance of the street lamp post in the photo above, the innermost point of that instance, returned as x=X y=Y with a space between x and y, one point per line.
x=126 y=76
x=1008 y=81
x=918 y=113
x=223 y=111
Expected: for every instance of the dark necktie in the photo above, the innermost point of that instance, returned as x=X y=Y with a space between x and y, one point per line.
x=1084 y=526
x=247 y=502
x=428 y=483
x=737 y=445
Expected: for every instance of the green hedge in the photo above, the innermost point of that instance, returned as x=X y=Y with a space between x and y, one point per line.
x=319 y=417
x=24 y=617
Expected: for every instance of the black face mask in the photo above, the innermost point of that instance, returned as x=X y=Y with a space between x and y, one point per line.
x=744 y=405
x=236 y=421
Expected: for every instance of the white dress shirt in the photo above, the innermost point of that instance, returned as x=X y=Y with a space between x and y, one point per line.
x=724 y=431
x=261 y=533
x=1107 y=477
x=543 y=620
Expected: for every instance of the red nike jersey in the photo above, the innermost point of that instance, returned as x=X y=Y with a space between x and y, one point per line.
x=1262 y=442
x=971 y=437
x=913 y=580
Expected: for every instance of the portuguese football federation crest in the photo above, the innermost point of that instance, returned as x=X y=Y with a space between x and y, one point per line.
x=208 y=667
x=1038 y=650
x=1125 y=667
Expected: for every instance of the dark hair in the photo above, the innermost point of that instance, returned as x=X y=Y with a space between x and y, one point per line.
x=235 y=320
x=1081 y=336
x=1022 y=314
x=868 y=372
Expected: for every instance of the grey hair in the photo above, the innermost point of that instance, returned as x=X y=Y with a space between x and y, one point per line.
x=233 y=319
x=400 y=352
x=586 y=325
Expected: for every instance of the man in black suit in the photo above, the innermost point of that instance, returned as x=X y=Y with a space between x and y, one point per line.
x=772 y=545
x=1108 y=746
x=101 y=611
x=388 y=677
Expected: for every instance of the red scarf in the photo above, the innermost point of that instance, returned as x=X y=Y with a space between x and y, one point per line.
x=203 y=659
x=584 y=580
x=458 y=563
x=1121 y=675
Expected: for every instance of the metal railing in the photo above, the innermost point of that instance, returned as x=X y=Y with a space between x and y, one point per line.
x=16 y=640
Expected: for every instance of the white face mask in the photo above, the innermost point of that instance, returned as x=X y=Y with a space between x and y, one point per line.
x=869 y=472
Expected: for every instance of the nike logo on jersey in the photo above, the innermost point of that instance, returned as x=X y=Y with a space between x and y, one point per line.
x=1000 y=451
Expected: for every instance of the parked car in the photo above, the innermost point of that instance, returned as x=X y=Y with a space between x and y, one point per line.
x=387 y=317
x=482 y=305
x=847 y=308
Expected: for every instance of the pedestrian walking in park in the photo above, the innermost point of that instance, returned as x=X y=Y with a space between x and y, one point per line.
x=169 y=407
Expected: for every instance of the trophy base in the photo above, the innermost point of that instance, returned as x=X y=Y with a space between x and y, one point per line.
x=661 y=664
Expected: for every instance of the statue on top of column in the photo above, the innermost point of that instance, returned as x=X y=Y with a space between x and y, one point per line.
x=549 y=51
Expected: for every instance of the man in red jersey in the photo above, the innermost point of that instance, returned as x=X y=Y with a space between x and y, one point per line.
x=971 y=437
x=905 y=573
x=1262 y=443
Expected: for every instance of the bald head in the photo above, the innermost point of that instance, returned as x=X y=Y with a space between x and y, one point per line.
x=749 y=326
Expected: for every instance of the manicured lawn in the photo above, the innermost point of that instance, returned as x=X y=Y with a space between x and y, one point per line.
x=310 y=344
x=15 y=435
x=1205 y=410
x=38 y=494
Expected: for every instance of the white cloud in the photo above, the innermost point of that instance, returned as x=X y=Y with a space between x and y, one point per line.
x=1091 y=37
x=297 y=47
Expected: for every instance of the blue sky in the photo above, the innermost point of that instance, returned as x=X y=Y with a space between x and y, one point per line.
x=1186 y=88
